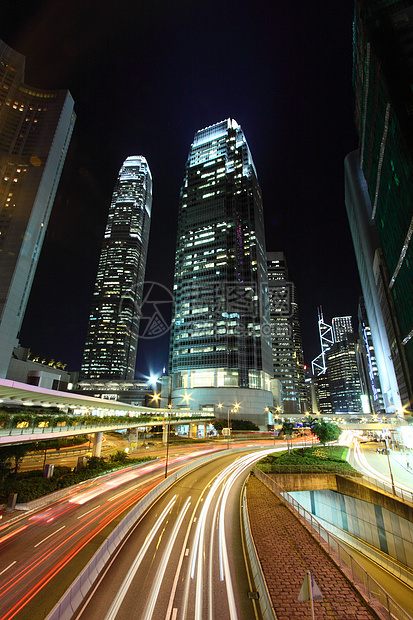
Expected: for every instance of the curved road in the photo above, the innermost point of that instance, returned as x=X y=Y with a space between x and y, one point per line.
x=42 y=553
x=186 y=557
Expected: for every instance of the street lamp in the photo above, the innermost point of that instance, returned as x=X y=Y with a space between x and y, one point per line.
x=167 y=439
x=388 y=461
x=236 y=407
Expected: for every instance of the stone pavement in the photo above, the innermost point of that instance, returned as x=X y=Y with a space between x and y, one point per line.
x=287 y=551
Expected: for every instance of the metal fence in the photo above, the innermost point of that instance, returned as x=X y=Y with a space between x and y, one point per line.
x=274 y=468
x=403 y=494
x=356 y=573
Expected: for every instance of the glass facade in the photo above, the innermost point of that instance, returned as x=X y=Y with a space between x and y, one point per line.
x=112 y=338
x=35 y=131
x=287 y=351
x=221 y=335
x=343 y=376
x=383 y=75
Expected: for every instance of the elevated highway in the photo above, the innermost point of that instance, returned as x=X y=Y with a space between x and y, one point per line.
x=130 y=416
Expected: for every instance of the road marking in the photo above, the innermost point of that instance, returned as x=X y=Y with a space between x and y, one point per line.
x=111 y=615
x=174 y=613
x=186 y=552
x=156 y=584
x=50 y=535
x=88 y=512
x=7 y=568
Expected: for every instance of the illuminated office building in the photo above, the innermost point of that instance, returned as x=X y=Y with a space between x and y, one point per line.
x=341 y=325
x=369 y=372
x=112 y=338
x=287 y=350
x=35 y=130
x=376 y=310
x=343 y=376
x=220 y=351
x=383 y=78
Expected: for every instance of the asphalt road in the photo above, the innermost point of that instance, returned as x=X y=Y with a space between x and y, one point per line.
x=42 y=553
x=186 y=558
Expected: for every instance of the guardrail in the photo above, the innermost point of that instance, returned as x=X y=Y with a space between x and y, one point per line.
x=271 y=468
x=403 y=494
x=264 y=601
x=356 y=573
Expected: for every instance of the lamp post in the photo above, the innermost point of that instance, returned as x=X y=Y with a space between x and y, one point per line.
x=388 y=461
x=167 y=439
x=236 y=407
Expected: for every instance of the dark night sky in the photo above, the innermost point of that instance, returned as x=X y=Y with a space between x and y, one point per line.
x=145 y=76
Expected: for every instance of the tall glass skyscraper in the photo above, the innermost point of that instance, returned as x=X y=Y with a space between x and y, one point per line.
x=35 y=130
x=383 y=75
x=220 y=351
x=287 y=347
x=112 y=338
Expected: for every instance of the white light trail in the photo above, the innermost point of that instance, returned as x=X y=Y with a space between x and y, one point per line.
x=111 y=615
x=156 y=585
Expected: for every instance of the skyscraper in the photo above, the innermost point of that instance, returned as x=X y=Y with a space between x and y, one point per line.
x=35 y=130
x=341 y=325
x=111 y=342
x=383 y=74
x=220 y=351
x=343 y=375
x=378 y=316
x=287 y=350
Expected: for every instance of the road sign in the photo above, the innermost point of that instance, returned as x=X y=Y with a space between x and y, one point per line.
x=310 y=591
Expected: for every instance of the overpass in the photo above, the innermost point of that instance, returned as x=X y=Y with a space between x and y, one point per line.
x=15 y=393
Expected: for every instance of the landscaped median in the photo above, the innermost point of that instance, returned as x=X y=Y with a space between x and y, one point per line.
x=329 y=459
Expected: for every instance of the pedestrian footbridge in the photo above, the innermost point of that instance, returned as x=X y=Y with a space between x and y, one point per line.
x=80 y=415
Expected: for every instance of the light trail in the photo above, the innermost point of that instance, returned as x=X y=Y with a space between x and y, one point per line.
x=111 y=615
x=164 y=562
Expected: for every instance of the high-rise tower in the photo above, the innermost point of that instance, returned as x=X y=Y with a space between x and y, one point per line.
x=111 y=342
x=287 y=350
x=35 y=131
x=220 y=352
x=383 y=75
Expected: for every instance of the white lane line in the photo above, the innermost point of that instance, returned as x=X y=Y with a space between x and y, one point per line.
x=174 y=613
x=88 y=512
x=156 y=584
x=50 y=535
x=7 y=567
x=118 y=495
x=114 y=608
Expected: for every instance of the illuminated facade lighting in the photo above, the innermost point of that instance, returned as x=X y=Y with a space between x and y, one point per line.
x=382 y=78
x=111 y=342
x=221 y=335
x=35 y=131
x=287 y=350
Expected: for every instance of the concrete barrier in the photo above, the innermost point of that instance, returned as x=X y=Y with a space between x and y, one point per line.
x=264 y=601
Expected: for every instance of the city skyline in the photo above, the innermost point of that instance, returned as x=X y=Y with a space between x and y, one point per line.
x=292 y=94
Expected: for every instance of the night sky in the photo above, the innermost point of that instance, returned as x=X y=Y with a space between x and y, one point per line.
x=145 y=76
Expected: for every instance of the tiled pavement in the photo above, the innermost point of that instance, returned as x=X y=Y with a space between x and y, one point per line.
x=287 y=551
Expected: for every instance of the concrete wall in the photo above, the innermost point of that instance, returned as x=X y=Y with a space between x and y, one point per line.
x=376 y=525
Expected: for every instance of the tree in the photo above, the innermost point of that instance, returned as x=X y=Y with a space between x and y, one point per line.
x=16 y=452
x=326 y=431
x=287 y=430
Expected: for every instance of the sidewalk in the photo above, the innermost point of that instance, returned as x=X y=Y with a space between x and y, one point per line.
x=287 y=551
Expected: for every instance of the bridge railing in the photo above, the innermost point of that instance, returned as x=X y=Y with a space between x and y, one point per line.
x=404 y=494
x=361 y=579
